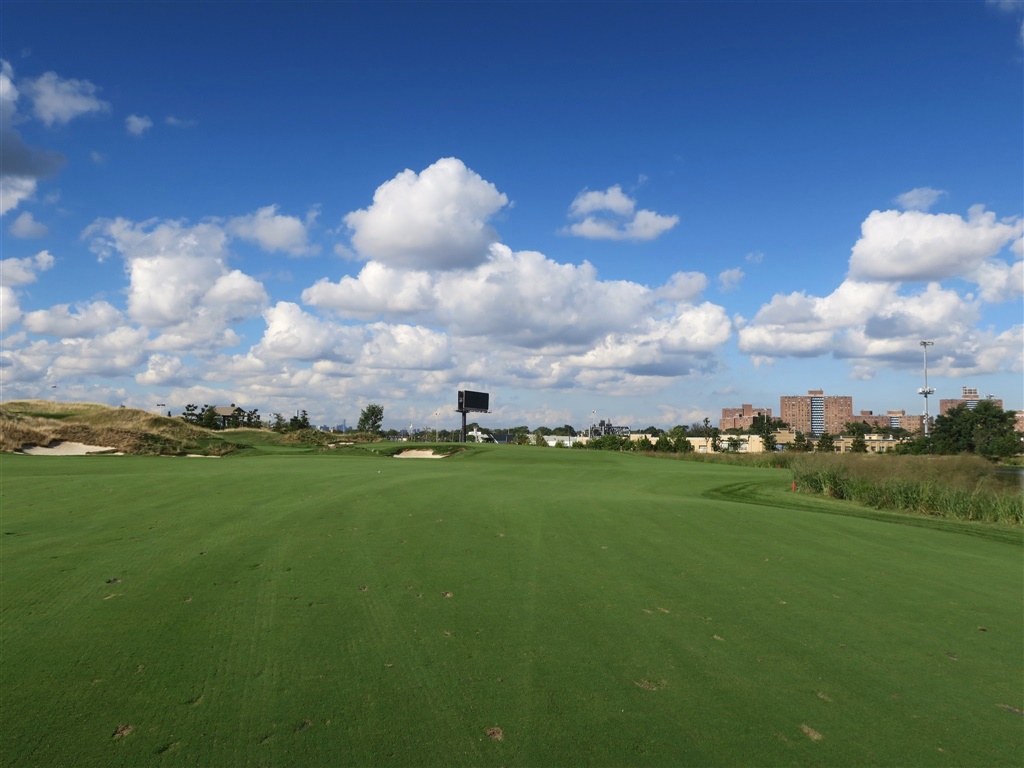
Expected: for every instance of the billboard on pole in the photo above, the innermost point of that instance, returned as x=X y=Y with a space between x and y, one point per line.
x=470 y=401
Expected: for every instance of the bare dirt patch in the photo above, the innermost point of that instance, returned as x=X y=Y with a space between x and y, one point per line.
x=1011 y=710
x=648 y=685
x=446 y=594
x=121 y=731
x=495 y=733
x=812 y=734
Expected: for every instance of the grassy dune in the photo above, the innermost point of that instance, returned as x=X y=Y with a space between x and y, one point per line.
x=42 y=422
x=346 y=608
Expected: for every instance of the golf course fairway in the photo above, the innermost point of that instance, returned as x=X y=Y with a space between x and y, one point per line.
x=509 y=606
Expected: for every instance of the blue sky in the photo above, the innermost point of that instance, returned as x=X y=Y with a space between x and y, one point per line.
x=651 y=211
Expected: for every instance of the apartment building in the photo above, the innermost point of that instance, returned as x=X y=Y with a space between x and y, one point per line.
x=742 y=417
x=969 y=397
x=816 y=412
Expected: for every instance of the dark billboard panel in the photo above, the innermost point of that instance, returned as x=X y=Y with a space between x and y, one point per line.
x=473 y=401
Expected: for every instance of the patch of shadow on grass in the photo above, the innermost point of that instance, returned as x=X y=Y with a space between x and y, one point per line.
x=304 y=725
x=121 y=731
x=170 y=746
x=196 y=701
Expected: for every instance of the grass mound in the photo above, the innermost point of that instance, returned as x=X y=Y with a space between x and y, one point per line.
x=26 y=423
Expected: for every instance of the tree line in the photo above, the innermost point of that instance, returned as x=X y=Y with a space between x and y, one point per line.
x=370 y=419
x=986 y=430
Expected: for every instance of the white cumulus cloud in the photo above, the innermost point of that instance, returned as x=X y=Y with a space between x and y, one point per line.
x=87 y=320
x=162 y=370
x=179 y=279
x=137 y=125
x=920 y=198
x=918 y=246
x=612 y=215
x=26 y=227
x=437 y=219
x=730 y=279
x=21 y=165
x=24 y=271
x=273 y=231
x=59 y=100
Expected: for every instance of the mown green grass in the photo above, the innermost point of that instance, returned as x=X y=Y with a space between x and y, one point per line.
x=605 y=609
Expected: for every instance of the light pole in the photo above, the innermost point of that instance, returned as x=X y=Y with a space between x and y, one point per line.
x=593 y=419
x=436 y=413
x=926 y=390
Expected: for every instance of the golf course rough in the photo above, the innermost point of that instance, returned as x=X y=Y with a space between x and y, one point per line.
x=505 y=606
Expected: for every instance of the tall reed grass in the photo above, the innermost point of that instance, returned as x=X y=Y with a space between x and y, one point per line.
x=959 y=487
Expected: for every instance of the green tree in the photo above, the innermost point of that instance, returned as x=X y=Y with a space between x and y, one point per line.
x=986 y=430
x=191 y=414
x=859 y=444
x=644 y=445
x=734 y=443
x=713 y=433
x=208 y=418
x=826 y=444
x=277 y=422
x=856 y=428
x=800 y=444
x=765 y=428
x=371 y=418
x=683 y=445
x=299 y=421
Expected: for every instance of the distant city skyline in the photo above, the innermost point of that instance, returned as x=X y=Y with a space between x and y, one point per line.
x=650 y=211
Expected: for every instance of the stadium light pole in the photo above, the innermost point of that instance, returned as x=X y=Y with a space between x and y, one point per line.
x=926 y=390
x=436 y=413
x=593 y=418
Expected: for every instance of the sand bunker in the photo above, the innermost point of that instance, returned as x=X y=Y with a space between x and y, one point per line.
x=418 y=455
x=67 y=449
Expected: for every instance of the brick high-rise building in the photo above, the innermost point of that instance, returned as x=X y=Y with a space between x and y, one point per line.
x=742 y=417
x=816 y=413
x=968 y=397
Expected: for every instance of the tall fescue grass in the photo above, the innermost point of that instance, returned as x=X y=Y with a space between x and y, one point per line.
x=959 y=487
x=779 y=460
x=42 y=422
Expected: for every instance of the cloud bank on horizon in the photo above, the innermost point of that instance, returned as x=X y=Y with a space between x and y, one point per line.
x=413 y=291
